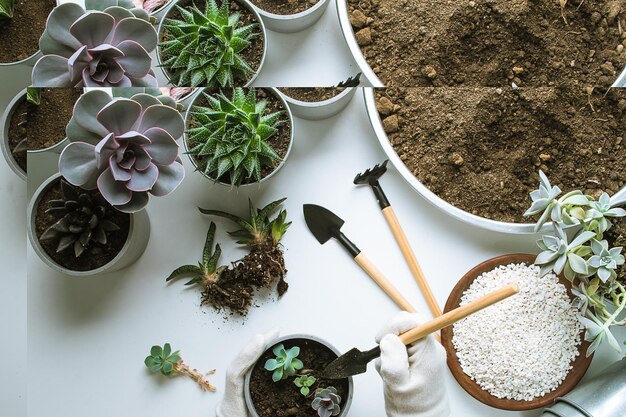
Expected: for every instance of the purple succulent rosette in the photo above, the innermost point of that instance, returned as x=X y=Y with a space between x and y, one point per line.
x=127 y=148
x=109 y=48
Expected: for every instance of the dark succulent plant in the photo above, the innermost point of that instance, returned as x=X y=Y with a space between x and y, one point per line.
x=326 y=402
x=82 y=220
x=6 y=9
x=351 y=81
x=108 y=48
x=229 y=138
x=203 y=48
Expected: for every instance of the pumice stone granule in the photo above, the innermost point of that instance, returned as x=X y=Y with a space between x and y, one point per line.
x=522 y=347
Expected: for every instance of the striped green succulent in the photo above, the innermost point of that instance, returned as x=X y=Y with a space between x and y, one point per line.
x=228 y=139
x=203 y=49
x=6 y=9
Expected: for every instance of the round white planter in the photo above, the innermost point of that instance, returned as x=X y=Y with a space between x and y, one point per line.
x=4 y=128
x=321 y=109
x=138 y=237
x=293 y=22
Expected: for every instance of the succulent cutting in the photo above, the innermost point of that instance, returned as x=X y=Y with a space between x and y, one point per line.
x=326 y=402
x=229 y=138
x=305 y=382
x=108 y=48
x=204 y=47
x=83 y=220
x=163 y=360
x=126 y=148
x=586 y=260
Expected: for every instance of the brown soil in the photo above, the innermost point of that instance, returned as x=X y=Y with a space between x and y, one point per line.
x=47 y=121
x=279 y=141
x=414 y=43
x=312 y=95
x=96 y=254
x=19 y=36
x=283 y=398
x=480 y=148
x=616 y=236
x=262 y=268
x=253 y=54
x=284 y=7
x=17 y=132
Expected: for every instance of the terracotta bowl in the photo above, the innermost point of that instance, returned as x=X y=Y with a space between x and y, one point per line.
x=579 y=365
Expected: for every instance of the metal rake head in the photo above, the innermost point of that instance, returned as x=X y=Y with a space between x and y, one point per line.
x=372 y=175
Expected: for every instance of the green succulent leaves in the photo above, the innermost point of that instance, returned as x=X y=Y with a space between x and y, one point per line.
x=162 y=359
x=203 y=49
x=6 y=9
x=286 y=363
x=305 y=382
x=33 y=96
x=229 y=138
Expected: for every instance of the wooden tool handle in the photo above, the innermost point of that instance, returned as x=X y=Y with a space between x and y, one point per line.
x=409 y=255
x=383 y=283
x=457 y=314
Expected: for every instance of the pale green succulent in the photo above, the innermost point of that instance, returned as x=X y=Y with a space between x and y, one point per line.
x=286 y=363
x=605 y=260
x=305 y=382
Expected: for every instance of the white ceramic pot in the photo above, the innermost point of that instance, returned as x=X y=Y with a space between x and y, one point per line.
x=321 y=109
x=293 y=22
x=4 y=129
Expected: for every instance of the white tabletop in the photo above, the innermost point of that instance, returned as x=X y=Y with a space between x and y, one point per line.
x=87 y=338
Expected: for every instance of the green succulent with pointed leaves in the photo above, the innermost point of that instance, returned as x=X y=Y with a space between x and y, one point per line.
x=228 y=139
x=203 y=48
x=6 y=9
x=33 y=96
x=207 y=271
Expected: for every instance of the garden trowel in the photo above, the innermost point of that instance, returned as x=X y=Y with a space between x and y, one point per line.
x=355 y=362
x=325 y=225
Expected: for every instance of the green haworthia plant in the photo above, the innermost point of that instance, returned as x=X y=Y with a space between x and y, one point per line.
x=286 y=364
x=163 y=360
x=229 y=137
x=326 y=402
x=305 y=382
x=33 y=96
x=203 y=48
x=83 y=220
x=586 y=259
x=6 y=9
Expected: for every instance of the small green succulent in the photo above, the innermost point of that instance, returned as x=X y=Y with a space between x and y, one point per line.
x=203 y=49
x=33 y=96
x=229 y=138
x=305 y=382
x=207 y=271
x=326 y=402
x=6 y=9
x=162 y=359
x=286 y=364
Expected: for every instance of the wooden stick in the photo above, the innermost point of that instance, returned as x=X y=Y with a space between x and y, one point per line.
x=409 y=255
x=457 y=314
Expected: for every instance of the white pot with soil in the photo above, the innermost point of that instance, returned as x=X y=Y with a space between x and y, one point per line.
x=292 y=16
x=317 y=103
x=14 y=134
x=75 y=232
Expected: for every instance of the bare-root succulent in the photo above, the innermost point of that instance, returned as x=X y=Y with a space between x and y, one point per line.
x=168 y=363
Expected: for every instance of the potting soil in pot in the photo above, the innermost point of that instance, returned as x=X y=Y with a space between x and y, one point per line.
x=480 y=148
x=47 y=121
x=491 y=42
x=284 y=7
x=19 y=35
x=96 y=254
x=312 y=95
x=283 y=398
x=17 y=134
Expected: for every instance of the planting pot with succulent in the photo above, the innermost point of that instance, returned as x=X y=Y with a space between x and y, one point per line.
x=232 y=287
x=290 y=16
x=587 y=260
x=240 y=138
x=211 y=43
x=286 y=380
x=108 y=48
x=21 y=24
x=13 y=130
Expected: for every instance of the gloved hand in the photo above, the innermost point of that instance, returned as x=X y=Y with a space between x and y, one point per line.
x=234 y=404
x=413 y=376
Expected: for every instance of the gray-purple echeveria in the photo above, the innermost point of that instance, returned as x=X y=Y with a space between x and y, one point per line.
x=127 y=148
x=109 y=48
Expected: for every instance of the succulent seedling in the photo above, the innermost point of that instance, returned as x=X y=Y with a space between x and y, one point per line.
x=163 y=360
x=83 y=220
x=230 y=136
x=33 y=96
x=286 y=364
x=326 y=402
x=305 y=382
x=204 y=47
x=207 y=272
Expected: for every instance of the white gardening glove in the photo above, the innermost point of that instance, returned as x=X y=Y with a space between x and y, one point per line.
x=413 y=377
x=233 y=404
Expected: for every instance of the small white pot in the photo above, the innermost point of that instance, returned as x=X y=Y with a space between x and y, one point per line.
x=4 y=129
x=293 y=22
x=320 y=110
x=278 y=95
x=138 y=237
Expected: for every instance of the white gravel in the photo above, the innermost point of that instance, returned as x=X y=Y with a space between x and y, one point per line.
x=522 y=347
